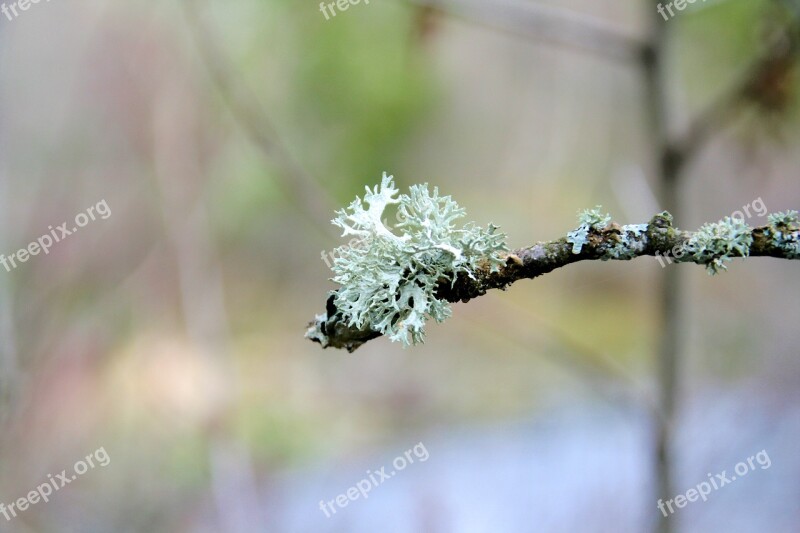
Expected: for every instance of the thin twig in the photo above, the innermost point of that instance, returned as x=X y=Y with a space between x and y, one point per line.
x=659 y=239
x=721 y=112
x=299 y=185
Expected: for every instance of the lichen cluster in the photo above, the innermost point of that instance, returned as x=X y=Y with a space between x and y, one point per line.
x=785 y=230
x=393 y=279
x=630 y=243
x=716 y=243
x=588 y=219
x=388 y=283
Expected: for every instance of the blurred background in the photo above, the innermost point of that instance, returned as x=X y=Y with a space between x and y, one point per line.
x=223 y=135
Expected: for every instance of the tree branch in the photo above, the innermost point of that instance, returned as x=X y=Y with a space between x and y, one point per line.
x=755 y=83
x=549 y=24
x=612 y=242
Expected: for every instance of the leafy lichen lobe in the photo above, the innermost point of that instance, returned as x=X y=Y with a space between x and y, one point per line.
x=715 y=244
x=785 y=230
x=388 y=283
x=588 y=219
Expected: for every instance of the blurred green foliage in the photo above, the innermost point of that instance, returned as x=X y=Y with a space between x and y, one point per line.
x=364 y=86
x=345 y=93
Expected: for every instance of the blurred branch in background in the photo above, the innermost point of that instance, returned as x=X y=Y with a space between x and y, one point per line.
x=672 y=157
x=657 y=109
x=11 y=380
x=178 y=160
x=600 y=371
x=547 y=24
x=764 y=82
x=301 y=188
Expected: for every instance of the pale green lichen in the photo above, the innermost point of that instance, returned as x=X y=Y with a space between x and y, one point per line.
x=785 y=219
x=588 y=219
x=388 y=283
x=630 y=243
x=716 y=243
x=785 y=232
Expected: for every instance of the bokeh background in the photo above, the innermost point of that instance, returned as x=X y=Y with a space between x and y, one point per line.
x=223 y=135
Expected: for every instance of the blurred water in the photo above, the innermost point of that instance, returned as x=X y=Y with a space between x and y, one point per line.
x=579 y=469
